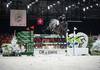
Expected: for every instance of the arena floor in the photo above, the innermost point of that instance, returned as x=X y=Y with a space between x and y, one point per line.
x=50 y=63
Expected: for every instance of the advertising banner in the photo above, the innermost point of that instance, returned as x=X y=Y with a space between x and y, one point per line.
x=18 y=18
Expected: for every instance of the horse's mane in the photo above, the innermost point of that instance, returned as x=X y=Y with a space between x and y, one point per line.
x=59 y=29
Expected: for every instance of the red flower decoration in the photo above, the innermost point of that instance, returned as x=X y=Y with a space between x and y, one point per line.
x=40 y=21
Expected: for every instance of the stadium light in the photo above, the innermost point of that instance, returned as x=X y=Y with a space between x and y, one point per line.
x=8 y=4
x=84 y=0
x=78 y=3
x=54 y=4
x=48 y=7
x=69 y=6
x=28 y=6
x=87 y=8
x=73 y=5
x=97 y=4
x=33 y=2
x=91 y=6
x=84 y=9
x=51 y=5
x=36 y=0
x=66 y=8
x=58 y=2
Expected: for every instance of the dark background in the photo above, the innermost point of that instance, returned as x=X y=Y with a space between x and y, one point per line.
x=90 y=19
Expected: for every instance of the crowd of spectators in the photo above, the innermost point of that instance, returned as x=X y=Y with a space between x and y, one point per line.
x=5 y=38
